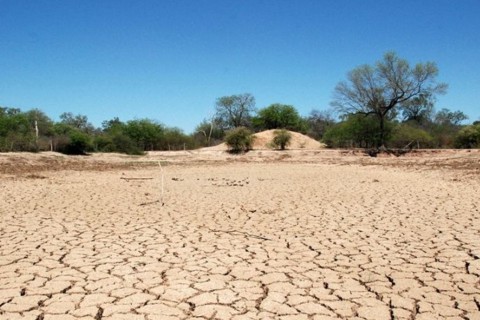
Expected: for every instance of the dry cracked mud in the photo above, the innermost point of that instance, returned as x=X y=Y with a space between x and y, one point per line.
x=241 y=241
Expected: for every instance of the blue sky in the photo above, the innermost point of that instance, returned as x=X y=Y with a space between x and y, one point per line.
x=170 y=60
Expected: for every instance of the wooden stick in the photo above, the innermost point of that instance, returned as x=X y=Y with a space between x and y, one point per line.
x=161 y=183
x=151 y=202
x=136 y=178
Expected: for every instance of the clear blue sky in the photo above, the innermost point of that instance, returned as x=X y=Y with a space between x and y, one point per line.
x=170 y=60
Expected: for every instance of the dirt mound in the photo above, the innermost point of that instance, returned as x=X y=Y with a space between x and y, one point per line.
x=264 y=138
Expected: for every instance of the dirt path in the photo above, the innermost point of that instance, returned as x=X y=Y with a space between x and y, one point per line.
x=241 y=241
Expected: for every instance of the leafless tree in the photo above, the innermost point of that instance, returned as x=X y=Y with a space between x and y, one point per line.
x=235 y=111
x=381 y=89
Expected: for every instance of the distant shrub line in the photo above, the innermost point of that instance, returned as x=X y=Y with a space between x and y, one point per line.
x=34 y=131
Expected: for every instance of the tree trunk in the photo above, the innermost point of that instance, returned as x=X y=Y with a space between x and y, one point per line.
x=36 y=135
x=382 y=131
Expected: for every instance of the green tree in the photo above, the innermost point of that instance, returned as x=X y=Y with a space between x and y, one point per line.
x=468 y=137
x=234 y=111
x=16 y=131
x=113 y=138
x=78 y=121
x=146 y=133
x=357 y=131
x=278 y=116
x=381 y=90
x=40 y=121
x=113 y=125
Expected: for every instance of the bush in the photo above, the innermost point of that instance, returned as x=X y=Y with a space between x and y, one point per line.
x=124 y=144
x=239 y=140
x=356 y=131
x=103 y=143
x=407 y=135
x=78 y=143
x=281 y=138
x=468 y=137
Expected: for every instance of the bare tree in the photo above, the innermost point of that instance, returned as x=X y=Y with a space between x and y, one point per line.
x=235 y=111
x=207 y=128
x=381 y=89
x=446 y=117
x=418 y=109
x=319 y=122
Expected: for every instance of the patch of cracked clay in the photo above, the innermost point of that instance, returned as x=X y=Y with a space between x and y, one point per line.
x=295 y=241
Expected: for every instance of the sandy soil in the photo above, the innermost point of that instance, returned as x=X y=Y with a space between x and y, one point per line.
x=312 y=234
x=263 y=141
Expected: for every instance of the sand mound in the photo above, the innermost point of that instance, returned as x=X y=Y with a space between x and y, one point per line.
x=264 y=138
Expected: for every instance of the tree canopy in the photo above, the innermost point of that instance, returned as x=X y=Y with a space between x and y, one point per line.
x=450 y=118
x=388 y=102
x=381 y=89
x=418 y=109
x=234 y=111
x=278 y=116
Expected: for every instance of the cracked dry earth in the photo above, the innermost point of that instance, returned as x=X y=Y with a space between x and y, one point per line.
x=241 y=241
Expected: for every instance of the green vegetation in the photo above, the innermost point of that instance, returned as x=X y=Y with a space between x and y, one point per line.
x=208 y=133
x=405 y=135
x=468 y=137
x=360 y=131
x=73 y=134
x=18 y=130
x=281 y=139
x=356 y=131
x=388 y=104
x=234 y=111
x=381 y=90
x=239 y=140
x=278 y=116
x=33 y=131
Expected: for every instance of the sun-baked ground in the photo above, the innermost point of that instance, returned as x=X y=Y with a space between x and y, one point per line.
x=302 y=234
x=263 y=141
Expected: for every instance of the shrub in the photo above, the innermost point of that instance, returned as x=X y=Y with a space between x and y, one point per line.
x=281 y=139
x=103 y=143
x=123 y=143
x=468 y=137
x=406 y=135
x=239 y=140
x=78 y=143
x=356 y=131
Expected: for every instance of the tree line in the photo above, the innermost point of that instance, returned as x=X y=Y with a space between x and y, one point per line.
x=387 y=104
x=34 y=131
